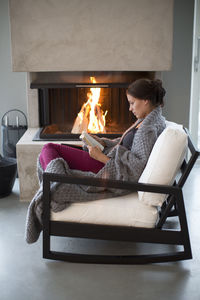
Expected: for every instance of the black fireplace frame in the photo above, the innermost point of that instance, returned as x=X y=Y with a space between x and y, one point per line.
x=43 y=81
x=44 y=108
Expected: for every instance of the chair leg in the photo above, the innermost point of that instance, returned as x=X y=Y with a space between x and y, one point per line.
x=46 y=244
x=46 y=218
x=183 y=224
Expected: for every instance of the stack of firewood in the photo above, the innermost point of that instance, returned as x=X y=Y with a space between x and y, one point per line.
x=88 y=120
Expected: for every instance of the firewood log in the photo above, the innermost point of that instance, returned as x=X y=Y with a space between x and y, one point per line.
x=82 y=120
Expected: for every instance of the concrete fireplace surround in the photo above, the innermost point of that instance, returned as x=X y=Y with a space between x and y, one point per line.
x=106 y=35
x=76 y=35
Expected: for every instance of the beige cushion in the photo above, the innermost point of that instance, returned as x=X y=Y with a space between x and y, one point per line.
x=164 y=162
x=124 y=210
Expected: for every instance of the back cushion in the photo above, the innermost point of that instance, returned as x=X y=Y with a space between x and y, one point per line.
x=164 y=162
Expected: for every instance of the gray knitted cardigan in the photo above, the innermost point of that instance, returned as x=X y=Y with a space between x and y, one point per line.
x=123 y=165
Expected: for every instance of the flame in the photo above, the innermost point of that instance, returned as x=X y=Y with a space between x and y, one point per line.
x=91 y=115
x=96 y=123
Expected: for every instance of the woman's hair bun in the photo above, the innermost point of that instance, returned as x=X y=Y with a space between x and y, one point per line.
x=157 y=82
x=159 y=89
x=150 y=89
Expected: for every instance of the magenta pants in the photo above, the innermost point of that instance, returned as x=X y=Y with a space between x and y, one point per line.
x=76 y=158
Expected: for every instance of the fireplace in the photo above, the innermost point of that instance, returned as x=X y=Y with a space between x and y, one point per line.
x=73 y=36
x=66 y=105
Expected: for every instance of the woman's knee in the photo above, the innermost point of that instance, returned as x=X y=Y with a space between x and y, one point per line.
x=48 y=146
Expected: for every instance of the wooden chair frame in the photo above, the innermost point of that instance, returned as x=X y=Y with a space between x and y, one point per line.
x=173 y=206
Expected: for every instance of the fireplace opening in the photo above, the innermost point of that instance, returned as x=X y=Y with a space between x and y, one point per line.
x=60 y=112
x=96 y=104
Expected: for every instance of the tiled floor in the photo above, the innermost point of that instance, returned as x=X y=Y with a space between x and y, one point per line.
x=24 y=274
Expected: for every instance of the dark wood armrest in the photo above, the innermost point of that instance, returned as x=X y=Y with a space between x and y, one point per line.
x=118 y=184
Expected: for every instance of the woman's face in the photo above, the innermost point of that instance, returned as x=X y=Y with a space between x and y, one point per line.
x=140 y=108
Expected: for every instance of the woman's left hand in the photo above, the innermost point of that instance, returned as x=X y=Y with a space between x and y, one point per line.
x=97 y=154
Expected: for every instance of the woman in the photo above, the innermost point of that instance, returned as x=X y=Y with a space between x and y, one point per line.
x=123 y=158
x=145 y=98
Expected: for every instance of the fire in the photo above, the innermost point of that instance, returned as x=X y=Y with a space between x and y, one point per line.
x=91 y=117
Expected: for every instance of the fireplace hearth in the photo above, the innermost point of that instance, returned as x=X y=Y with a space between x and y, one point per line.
x=66 y=100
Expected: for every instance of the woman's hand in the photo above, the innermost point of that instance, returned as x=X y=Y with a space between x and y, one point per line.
x=98 y=139
x=97 y=154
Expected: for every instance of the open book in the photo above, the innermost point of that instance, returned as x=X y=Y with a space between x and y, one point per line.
x=90 y=141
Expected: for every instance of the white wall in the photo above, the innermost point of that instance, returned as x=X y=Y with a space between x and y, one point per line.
x=195 y=87
x=12 y=85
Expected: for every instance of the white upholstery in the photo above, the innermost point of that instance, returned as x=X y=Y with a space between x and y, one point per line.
x=164 y=162
x=123 y=210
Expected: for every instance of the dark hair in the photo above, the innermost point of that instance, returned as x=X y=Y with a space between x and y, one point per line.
x=147 y=89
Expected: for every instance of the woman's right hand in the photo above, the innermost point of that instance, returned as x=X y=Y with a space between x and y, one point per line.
x=98 y=139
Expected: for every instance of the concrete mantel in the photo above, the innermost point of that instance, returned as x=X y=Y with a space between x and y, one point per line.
x=76 y=35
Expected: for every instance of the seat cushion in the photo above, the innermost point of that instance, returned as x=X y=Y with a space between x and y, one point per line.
x=164 y=162
x=124 y=210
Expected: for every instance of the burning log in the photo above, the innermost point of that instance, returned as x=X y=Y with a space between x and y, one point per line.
x=101 y=119
x=82 y=120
